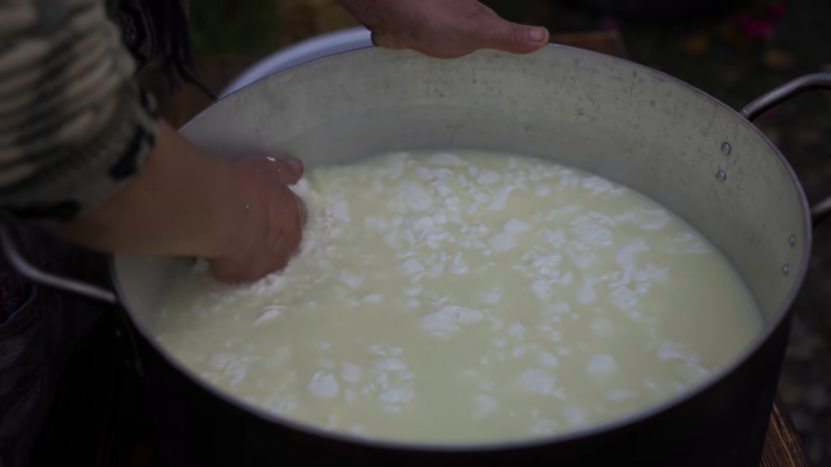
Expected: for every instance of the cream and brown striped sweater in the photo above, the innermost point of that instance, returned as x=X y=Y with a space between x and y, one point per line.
x=74 y=127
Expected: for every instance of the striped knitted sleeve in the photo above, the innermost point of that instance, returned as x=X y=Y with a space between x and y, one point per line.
x=74 y=127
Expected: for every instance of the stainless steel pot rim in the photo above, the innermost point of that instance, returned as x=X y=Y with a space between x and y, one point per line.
x=524 y=443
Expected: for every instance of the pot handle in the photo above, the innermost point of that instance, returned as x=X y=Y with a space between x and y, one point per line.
x=786 y=91
x=35 y=275
x=822 y=210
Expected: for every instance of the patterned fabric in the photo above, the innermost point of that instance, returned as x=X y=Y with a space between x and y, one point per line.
x=38 y=337
x=14 y=291
x=20 y=381
x=74 y=128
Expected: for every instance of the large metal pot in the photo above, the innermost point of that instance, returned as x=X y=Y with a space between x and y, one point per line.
x=612 y=117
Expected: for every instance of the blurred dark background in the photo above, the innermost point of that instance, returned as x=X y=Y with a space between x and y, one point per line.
x=734 y=50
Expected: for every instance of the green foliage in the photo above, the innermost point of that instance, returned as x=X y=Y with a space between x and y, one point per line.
x=234 y=27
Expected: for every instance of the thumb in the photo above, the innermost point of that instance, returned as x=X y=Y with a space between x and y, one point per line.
x=511 y=37
x=387 y=41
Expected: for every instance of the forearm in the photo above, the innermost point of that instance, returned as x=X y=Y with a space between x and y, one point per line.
x=172 y=207
x=81 y=150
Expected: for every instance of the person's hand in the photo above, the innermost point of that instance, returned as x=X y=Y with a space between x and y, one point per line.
x=443 y=28
x=271 y=225
x=240 y=216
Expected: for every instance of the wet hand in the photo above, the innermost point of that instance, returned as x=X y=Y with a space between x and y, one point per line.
x=270 y=220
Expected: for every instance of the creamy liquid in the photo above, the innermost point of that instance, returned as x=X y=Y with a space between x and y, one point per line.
x=467 y=297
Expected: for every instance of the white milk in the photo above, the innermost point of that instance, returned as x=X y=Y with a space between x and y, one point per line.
x=468 y=297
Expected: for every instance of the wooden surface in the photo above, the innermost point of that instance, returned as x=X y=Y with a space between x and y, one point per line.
x=783 y=447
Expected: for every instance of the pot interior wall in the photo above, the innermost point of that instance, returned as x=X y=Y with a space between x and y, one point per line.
x=617 y=119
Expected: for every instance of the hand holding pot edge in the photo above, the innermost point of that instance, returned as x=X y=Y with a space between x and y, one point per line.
x=443 y=28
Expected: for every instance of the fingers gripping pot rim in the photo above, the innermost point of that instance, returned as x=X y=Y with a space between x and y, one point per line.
x=612 y=117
